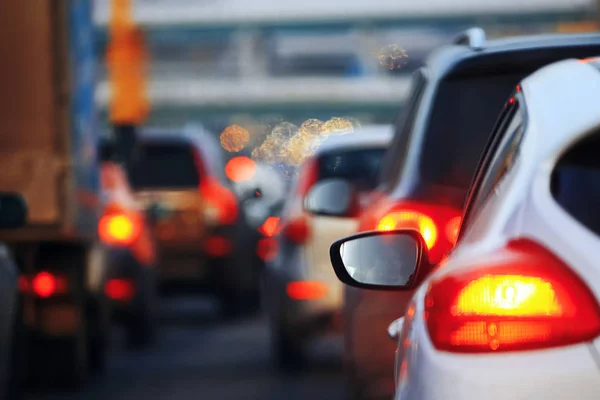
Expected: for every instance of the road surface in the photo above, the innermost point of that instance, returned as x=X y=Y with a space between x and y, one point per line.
x=200 y=357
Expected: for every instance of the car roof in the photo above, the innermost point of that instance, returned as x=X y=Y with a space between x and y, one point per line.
x=448 y=59
x=443 y=60
x=364 y=137
x=204 y=141
x=561 y=102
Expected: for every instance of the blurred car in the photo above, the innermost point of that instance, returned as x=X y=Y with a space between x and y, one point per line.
x=263 y=198
x=440 y=135
x=195 y=216
x=301 y=295
x=13 y=214
x=131 y=286
x=515 y=306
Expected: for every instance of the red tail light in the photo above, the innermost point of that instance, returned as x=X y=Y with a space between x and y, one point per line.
x=218 y=246
x=270 y=227
x=438 y=226
x=523 y=298
x=119 y=289
x=267 y=248
x=297 y=230
x=119 y=229
x=306 y=290
x=220 y=201
x=43 y=284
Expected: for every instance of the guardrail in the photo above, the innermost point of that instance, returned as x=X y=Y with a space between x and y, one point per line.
x=274 y=91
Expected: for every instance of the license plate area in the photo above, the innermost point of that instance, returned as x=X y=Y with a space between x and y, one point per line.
x=53 y=319
x=178 y=268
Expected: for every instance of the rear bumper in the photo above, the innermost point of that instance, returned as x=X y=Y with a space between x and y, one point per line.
x=194 y=270
x=124 y=266
x=307 y=317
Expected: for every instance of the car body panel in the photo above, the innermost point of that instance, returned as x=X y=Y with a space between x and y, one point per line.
x=560 y=111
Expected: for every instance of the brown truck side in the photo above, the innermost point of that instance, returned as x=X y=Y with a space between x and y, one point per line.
x=35 y=136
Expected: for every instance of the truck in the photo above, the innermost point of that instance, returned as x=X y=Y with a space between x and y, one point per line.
x=48 y=154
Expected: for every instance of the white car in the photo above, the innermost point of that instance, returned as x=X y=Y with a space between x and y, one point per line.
x=301 y=295
x=513 y=311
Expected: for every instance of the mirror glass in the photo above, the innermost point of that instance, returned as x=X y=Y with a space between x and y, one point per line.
x=386 y=259
x=13 y=211
x=329 y=197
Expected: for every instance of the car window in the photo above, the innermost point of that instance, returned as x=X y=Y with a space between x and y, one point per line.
x=165 y=166
x=576 y=182
x=394 y=159
x=361 y=167
x=501 y=156
x=460 y=123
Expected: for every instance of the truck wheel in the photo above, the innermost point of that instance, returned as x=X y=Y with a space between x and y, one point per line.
x=72 y=356
x=60 y=361
x=286 y=350
x=98 y=334
x=18 y=358
x=141 y=331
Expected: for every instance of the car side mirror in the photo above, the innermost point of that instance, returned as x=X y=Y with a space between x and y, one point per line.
x=331 y=197
x=13 y=210
x=384 y=260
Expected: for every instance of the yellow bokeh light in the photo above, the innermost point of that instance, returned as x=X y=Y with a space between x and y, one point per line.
x=337 y=126
x=234 y=138
x=392 y=57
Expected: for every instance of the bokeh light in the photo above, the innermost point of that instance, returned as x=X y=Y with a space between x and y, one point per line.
x=234 y=138
x=392 y=57
x=240 y=169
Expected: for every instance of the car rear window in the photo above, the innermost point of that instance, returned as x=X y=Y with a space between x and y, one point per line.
x=460 y=123
x=361 y=167
x=165 y=166
x=575 y=183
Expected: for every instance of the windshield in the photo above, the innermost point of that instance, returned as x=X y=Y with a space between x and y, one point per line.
x=360 y=167
x=165 y=166
x=461 y=120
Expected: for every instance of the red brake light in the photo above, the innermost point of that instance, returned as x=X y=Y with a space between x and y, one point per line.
x=438 y=225
x=240 y=169
x=270 y=227
x=218 y=246
x=306 y=290
x=267 y=248
x=119 y=289
x=44 y=284
x=524 y=298
x=119 y=229
x=411 y=219
x=221 y=199
x=452 y=228
x=297 y=230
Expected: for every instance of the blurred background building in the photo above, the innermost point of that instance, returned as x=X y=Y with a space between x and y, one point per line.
x=219 y=62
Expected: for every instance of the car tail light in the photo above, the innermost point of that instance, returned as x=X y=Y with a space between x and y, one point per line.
x=267 y=248
x=306 y=290
x=221 y=204
x=412 y=219
x=118 y=228
x=119 y=289
x=452 y=228
x=43 y=284
x=522 y=298
x=270 y=227
x=218 y=246
x=297 y=230
x=438 y=225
